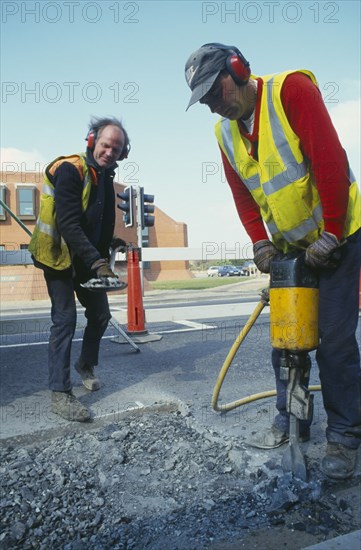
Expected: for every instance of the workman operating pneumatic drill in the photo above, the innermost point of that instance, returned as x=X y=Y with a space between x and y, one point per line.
x=71 y=244
x=290 y=178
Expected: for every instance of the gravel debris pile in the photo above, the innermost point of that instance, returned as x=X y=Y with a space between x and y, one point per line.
x=154 y=482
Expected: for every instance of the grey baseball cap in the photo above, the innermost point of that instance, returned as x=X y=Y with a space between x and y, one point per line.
x=202 y=68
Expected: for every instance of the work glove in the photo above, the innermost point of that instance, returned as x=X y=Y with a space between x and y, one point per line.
x=118 y=244
x=263 y=252
x=322 y=253
x=102 y=269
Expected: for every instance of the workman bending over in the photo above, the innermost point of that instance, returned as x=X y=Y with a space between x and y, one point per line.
x=290 y=179
x=71 y=245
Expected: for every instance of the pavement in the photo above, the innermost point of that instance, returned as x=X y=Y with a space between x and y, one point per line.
x=26 y=416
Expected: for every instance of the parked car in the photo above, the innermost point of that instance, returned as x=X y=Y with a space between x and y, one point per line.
x=228 y=271
x=212 y=271
x=245 y=273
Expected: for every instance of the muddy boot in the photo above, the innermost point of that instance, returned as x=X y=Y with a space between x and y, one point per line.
x=65 y=404
x=339 y=461
x=273 y=438
x=90 y=381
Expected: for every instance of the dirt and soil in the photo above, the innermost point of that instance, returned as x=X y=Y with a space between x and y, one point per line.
x=160 y=481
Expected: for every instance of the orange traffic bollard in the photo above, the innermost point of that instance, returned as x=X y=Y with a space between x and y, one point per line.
x=136 y=315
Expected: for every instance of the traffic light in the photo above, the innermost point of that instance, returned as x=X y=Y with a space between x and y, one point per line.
x=146 y=209
x=127 y=206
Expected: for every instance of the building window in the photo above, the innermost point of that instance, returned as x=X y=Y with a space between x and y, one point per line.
x=25 y=202
x=24 y=246
x=3 y=198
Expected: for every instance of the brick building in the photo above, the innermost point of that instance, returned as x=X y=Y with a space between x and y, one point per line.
x=20 y=280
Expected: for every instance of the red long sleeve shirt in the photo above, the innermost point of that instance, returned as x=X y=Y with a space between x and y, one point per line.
x=309 y=119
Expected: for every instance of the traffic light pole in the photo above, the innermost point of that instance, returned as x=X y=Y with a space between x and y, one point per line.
x=139 y=233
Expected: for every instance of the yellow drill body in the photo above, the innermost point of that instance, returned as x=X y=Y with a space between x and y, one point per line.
x=293 y=306
x=294 y=318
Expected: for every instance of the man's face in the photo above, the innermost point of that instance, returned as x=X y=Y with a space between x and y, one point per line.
x=108 y=146
x=226 y=98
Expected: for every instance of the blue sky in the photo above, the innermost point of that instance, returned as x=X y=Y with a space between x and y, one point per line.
x=63 y=62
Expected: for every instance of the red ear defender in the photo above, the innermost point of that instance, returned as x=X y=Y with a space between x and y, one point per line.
x=236 y=64
x=91 y=140
x=238 y=68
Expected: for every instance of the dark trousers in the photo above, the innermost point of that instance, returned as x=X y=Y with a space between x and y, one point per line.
x=337 y=355
x=63 y=315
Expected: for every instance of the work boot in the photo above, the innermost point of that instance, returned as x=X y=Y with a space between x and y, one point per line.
x=339 y=461
x=273 y=438
x=65 y=404
x=90 y=381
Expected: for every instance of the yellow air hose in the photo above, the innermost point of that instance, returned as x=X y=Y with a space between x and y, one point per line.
x=228 y=361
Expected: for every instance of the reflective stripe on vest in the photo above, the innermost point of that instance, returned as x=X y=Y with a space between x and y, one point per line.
x=302 y=229
x=47 y=190
x=49 y=230
x=281 y=142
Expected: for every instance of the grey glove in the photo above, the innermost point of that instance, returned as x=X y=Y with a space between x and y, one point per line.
x=102 y=269
x=263 y=252
x=321 y=253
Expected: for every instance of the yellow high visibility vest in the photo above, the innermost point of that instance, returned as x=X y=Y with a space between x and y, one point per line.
x=46 y=245
x=281 y=181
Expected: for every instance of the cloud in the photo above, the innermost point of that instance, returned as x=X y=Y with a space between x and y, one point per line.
x=346 y=119
x=13 y=160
